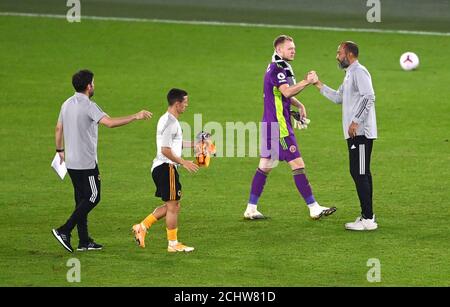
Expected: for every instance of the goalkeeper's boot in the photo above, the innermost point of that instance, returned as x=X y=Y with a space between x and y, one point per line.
x=316 y=211
x=254 y=214
x=362 y=224
x=179 y=247
x=139 y=231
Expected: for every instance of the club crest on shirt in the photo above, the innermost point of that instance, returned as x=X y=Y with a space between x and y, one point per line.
x=292 y=148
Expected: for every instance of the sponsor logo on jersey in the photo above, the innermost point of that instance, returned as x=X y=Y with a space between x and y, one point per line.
x=281 y=76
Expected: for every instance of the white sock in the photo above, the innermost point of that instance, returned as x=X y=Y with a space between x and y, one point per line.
x=173 y=243
x=313 y=204
x=251 y=207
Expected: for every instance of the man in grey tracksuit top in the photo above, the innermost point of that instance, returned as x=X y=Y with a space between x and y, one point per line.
x=77 y=131
x=357 y=97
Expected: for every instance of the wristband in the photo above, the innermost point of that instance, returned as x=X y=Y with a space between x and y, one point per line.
x=60 y=150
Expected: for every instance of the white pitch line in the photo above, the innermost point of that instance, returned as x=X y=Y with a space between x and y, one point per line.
x=234 y=24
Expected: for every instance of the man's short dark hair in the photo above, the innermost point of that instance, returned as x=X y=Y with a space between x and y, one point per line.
x=281 y=39
x=81 y=79
x=175 y=95
x=350 y=46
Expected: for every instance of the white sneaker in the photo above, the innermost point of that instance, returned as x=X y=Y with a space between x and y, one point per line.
x=362 y=224
x=253 y=215
x=179 y=247
x=316 y=211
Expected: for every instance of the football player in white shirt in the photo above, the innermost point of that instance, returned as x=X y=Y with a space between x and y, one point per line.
x=169 y=141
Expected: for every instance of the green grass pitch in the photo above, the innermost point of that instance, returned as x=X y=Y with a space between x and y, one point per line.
x=222 y=68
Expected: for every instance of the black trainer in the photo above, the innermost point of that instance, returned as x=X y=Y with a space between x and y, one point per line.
x=91 y=246
x=63 y=239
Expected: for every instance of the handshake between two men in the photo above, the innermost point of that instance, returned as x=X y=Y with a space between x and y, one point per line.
x=313 y=78
x=299 y=118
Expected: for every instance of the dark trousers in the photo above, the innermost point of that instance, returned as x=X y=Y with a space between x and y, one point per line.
x=86 y=185
x=360 y=150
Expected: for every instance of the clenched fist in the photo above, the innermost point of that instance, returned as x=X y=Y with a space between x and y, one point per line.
x=312 y=77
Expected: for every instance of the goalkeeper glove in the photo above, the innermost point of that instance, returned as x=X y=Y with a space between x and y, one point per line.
x=299 y=121
x=204 y=148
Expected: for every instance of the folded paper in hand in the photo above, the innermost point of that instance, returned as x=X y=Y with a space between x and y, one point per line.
x=60 y=169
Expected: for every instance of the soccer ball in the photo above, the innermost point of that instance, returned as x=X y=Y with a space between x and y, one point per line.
x=409 y=61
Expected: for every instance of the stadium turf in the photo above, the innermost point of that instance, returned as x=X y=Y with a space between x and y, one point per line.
x=222 y=68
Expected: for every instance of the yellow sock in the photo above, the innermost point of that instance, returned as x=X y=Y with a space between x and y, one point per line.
x=149 y=220
x=172 y=234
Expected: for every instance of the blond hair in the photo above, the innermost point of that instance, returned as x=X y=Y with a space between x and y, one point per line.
x=281 y=39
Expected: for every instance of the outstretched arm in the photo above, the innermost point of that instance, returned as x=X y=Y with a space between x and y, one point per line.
x=290 y=91
x=331 y=94
x=112 y=122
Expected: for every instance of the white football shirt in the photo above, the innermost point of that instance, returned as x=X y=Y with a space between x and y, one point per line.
x=168 y=134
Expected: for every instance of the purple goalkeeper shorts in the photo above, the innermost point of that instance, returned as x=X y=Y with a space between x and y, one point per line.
x=284 y=149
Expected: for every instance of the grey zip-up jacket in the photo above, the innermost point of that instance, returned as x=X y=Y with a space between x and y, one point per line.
x=357 y=97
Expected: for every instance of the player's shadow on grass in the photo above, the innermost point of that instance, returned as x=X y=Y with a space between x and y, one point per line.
x=256 y=220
